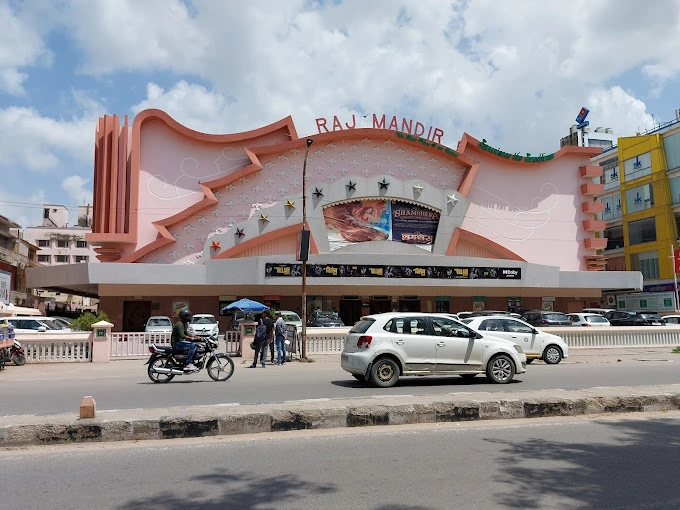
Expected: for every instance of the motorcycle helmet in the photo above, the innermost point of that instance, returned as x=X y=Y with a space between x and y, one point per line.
x=185 y=315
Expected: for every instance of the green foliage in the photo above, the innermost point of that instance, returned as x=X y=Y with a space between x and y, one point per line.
x=676 y=350
x=85 y=321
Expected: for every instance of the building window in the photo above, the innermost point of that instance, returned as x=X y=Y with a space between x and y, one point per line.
x=671 y=147
x=614 y=237
x=642 y=231
x=639 y=198
x=81 y=244
x=61 y=243
x=639 y=166
x=44 y=243
x=46 y=213
x=647 y=263
x=675 y=190
x=610 y=175
x=81 y=258
x=62 y=258
x=44 y=259
x=612 y=207
x=616 y=264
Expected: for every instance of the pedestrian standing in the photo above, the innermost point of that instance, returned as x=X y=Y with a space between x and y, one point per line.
x=279 y=339
x=266 y=318
x=263 y=337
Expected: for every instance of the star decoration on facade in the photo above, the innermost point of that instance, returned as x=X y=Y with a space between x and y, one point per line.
x=451 y=199
x=239 y=233
x=264 y=217
x=318 y=193
x=383 y=184
x=290 y=204
x=215 y=245
x=417 y=188
x=352 y=186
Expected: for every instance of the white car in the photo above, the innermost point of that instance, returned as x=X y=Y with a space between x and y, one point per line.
x=204 y=325
x=536 y=344
x=292 y=318
x=672 y=320
x=35 y=324
x=588 y=319
x=380 y=348
x=158 y=324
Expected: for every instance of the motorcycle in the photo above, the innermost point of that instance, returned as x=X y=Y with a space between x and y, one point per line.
x=165 y=362
x=15 y=354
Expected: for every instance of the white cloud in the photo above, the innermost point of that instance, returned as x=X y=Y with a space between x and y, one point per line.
x=23 y=208
x=36 y=142
x=615 y=107
x=79 y=189
x=20 y=46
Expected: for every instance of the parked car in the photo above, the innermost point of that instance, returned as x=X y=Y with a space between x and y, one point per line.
x=292 y=318
x=381 y=348
x=321 y=319
x=35 y=324
x=542 y=319
x=204 y=325
x=158 y=324
x=588 y=319
x=671 y=320
x=600 y=311
x=632 y=318
x=536 y=344
x=64 y=321
x=486 y=313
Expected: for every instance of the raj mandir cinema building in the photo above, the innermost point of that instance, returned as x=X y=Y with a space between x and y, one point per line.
x=398 y=221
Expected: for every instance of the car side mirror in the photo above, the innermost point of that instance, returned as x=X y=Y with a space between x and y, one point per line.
x=535 y=331
x=42 y=329
x=479 y=335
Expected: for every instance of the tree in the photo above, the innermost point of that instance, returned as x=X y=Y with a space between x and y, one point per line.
x=85 y=321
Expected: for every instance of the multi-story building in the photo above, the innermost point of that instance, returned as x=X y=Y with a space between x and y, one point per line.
x=641 y=197
x=16 y=255
x=599 y=137
x=61 y=244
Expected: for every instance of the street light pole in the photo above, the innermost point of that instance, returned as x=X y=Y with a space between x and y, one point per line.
x=304 y=251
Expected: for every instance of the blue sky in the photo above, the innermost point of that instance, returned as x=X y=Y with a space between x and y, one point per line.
x=515 y=73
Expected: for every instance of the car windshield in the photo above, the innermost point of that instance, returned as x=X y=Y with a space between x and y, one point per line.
x=556 y=317
x=204 y=319
x=595 y=318
x=362 y=326
x=652 y=316
x=52 y=325
x=290 y=317
x=326 y=315
x=159 y=321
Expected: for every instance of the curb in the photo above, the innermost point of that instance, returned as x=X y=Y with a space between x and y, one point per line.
x=202 y=421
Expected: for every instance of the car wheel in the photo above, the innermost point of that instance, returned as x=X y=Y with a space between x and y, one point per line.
x=552 y=355
x=384 y=373
x=467 y=377
x=500 y=369
x=530 y=361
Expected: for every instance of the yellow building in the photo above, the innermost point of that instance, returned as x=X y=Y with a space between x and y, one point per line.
x=642 y=204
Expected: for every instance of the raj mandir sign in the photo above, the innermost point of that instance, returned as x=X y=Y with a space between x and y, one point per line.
x=403 y=124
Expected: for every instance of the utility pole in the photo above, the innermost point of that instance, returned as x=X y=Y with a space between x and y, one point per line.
x=304 y=250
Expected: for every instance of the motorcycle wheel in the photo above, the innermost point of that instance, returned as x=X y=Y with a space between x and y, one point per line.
x=19 y=359
x=220 y=367
x=156 y=377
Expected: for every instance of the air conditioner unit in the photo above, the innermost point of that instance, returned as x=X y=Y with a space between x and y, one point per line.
x=611 y=300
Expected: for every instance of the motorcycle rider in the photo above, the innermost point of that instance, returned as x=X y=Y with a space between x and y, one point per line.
x=180 y=341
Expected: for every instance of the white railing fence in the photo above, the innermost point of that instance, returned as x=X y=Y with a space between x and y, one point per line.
x=618 y=336
x=325 y=340
x=46 y=348
x=124 y=345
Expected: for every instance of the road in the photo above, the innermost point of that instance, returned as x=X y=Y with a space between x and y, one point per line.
x=123 y=384
x=614 y=462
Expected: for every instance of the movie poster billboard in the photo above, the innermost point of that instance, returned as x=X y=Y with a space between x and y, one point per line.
x=5 y=286
x=380 y=220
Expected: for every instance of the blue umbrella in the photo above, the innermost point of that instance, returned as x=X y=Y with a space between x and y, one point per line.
x=246 y=305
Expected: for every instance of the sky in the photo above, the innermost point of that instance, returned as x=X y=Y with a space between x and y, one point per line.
x=514 y=73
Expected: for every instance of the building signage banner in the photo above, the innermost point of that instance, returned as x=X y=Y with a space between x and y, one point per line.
x=380 y=220
x=647 y=301
x=379 y=271
x=5 y=286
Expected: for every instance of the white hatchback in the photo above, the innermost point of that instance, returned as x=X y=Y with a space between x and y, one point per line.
x=536 y=344
x=380 y=348
x=588 y=320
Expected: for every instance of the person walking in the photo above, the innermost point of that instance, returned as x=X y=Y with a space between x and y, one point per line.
x=279 y=339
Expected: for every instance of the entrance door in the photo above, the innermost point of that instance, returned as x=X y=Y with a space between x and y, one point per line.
x=135 y=314
x=380 y=306
x=350 y=311
x=409 y=305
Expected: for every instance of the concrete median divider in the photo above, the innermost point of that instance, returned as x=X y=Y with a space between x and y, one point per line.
x=221 y=420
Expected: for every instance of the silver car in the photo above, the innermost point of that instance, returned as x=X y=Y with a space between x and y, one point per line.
x=381 y=348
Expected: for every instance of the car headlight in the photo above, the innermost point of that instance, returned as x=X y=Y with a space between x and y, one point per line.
x=190 y=330
x=518 y=348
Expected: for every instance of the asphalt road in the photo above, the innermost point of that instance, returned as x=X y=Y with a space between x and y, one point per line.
x=614 y=462
x=123 y=384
